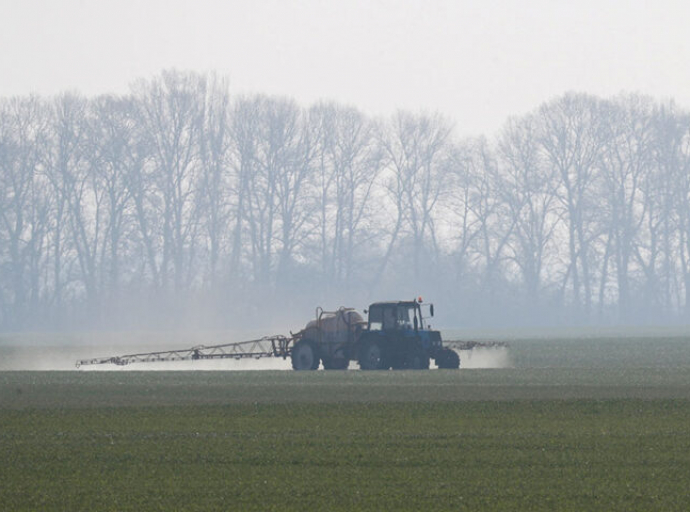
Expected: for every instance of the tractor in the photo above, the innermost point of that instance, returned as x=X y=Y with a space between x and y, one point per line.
x=395 y=336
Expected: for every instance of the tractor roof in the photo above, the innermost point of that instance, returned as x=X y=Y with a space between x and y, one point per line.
x=394 y=303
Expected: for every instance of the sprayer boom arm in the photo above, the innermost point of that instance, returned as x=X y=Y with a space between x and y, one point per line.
x=268 y=346
x=471 y=345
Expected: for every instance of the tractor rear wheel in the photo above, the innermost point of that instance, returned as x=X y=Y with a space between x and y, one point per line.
x=371 y=356
x=304 y=356
x=448 y=359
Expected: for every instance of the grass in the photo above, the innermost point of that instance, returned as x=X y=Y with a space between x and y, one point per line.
x=539 y=439
x=65 y=390
x=611 y=352
x=622 y=455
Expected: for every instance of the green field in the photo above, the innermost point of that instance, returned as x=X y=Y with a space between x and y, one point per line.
x=502 y=439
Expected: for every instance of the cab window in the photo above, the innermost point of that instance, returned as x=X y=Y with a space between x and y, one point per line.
x=404 y=317
x=393 y=317
x=390 y=320
x=376 y=319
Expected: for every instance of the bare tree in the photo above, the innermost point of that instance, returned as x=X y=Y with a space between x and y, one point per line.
x=171 y=113
x=114 y=155
x=214 y=190
x=348 y=164
x=458 y=209
x=572 y=137
x=672 y=150
x=24 y=208
x=527 y=187
x=495 y=222
x=668 y=189
x=274 y=155
x=244 y=133
x=416 y=149
x=74 y=265
x=625 y=163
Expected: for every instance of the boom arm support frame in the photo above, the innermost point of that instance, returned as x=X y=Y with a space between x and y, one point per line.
x=268 y=346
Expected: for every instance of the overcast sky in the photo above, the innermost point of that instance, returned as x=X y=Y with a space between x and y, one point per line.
x=477 y=62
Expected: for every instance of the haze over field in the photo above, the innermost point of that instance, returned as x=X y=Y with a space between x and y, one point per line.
x=338 y=154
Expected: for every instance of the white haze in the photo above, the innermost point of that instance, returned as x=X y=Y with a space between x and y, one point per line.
x=55 y=352
x=63 y=358
x=454 y=188
x=485 y=358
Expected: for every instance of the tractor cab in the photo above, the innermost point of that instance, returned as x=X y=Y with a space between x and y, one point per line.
x=397 y=316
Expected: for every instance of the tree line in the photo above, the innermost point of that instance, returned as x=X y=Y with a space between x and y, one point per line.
x=180 y=203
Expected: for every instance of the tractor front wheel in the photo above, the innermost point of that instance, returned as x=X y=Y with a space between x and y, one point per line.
x=304 y=356
x=448 y=359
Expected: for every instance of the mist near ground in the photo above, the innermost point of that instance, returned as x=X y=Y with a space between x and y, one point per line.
x=64 y=358
x=571 y=349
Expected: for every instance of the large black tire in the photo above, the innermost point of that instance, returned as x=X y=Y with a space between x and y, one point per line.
x=304 y=356
x=448 y=359
x=417 y=361
x=371 y=356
